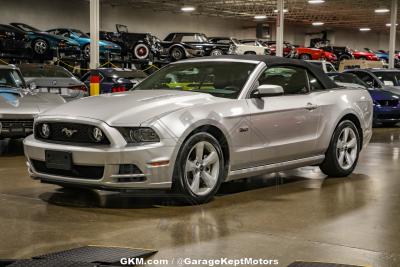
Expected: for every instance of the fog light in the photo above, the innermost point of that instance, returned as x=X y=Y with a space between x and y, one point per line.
x=129 y=169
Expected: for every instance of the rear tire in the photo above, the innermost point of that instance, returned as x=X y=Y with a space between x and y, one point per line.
x=40 y=47
x=141 y=51
x=343 y=152
x=177 y=53
x=305 y=57
x=199 y=169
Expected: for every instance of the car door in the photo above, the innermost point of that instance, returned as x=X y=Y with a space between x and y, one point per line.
x=284 y=127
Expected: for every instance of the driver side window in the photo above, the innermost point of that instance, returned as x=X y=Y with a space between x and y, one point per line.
x=292 y=79
x=368 y=79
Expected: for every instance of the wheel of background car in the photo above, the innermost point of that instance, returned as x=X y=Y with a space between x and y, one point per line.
x=342 y=155
x=86 y=51
x=305 y=56
x=40 y=46
x=199 y=169
x=177 y=53
x=250 y=53
x=141 y=51
x=216 y=52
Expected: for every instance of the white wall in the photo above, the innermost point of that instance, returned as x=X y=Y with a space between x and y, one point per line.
x=45 y=14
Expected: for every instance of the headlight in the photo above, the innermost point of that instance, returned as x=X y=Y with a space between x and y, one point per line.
x=139 y=135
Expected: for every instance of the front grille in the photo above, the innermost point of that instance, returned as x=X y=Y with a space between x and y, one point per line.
x=388 y=103
x=19 y=128
x=81 y=133
x=77 y=171
x=389 y=116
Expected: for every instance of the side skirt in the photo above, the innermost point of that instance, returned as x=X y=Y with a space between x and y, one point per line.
x=275 y=167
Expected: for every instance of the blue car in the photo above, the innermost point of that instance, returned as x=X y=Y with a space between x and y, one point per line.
x=382 y=55
x=108 y=50
x=386 y=103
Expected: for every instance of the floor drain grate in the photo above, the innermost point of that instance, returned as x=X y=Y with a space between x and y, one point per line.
x=89 y=256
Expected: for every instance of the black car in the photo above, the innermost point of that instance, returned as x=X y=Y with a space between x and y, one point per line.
x=134 y=45
x=114 y=80
x=341 y=52
x=13 y=42
x=180 y=45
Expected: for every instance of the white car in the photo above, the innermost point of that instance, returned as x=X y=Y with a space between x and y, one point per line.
x=238 y=48
x=324 y=65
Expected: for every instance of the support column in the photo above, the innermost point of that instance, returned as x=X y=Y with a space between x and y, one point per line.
x=392 y=41
x=279 y=28
x=94 y=33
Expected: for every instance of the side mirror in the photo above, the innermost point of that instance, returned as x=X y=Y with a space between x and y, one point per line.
x=267 y=90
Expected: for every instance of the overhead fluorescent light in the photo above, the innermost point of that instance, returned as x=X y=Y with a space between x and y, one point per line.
x=260 y=17
x=388 y=24
x=382 y=10
x=318 y=23
x=284 y=11
x=364 y=29
x=316 y=1
x=188 y=8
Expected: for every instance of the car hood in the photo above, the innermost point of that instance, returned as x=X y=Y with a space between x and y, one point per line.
x=53 y=82
x=14 y=102
x=131 y=108
x=382 y=94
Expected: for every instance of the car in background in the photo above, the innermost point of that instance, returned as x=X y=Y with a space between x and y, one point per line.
x=13 y=42
x=224 y=45
x=108 y=50
x=53 y=79
x=306 y=53
x=116 y=79
x=341 y=52
x=383 y=56
x=289 y=50
x=19 y=105
x=140 y=46
x=324 y=65
x=46 y=45
x=364 y=55
x=386 y=104
x=180 y=45
x=385 y=79
x=273 y=113
x=247 y=48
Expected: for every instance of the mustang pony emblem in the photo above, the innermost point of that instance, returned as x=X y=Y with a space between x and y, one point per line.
x=68 y=132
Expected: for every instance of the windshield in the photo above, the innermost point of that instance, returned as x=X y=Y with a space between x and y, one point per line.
x=221 y=79
x=11 y=78
x=27 y=28
x=347 y=78
x=80 y=34
x=389 y=78
x=48 y=71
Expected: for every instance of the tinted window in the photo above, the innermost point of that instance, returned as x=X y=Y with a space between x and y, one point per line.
x=315 y=84
x=330 y=68
x=44 y=71
x=10 y=78
x=292 y=79
x=390 y=78
x=367 y=78
x=347 y=78
x=221 y=79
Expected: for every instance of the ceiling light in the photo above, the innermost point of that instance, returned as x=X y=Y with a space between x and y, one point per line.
x=316 y=1
x=364 y=29
x=260 y=17
x=284 y=11
x=317 y=23
x=188 y=8
x=388 y=24
x=382 y=10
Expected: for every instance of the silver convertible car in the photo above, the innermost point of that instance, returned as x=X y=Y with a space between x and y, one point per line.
x=197 y=123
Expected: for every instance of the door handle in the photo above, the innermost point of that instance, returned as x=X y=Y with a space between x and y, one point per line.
x=311 y=106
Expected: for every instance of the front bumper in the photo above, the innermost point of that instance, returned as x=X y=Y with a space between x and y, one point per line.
x=16 y=128
x=109 y=157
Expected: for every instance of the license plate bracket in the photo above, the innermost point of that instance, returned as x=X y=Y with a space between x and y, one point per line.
x=58 y=160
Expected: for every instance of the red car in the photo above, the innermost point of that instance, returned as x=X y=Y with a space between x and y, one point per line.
x=365 y=55
x=306 y=53
x=331 y=57
x=287 y=48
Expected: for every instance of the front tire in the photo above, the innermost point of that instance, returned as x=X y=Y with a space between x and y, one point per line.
x=305 y=57
x=40 y=47
x=344 y=149
x=199 y=169
x=216 y=52
x=177 y=53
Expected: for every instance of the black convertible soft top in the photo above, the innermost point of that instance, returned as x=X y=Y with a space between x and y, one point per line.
x=277 y=61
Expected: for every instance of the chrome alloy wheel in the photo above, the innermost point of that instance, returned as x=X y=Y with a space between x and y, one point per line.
x=202 y=168
x=40 y=47
x=347 y=148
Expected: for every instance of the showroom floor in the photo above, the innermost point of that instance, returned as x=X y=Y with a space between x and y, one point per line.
x=296 y=215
